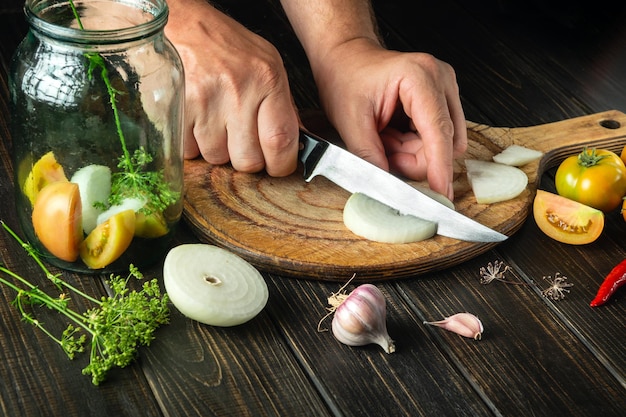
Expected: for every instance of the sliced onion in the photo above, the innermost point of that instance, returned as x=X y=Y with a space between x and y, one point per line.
x=492 y=182
x=376 y=221
x=516 y=155
x=212 y=285
x=131 y=203
x=94 y=185
x=435 y=196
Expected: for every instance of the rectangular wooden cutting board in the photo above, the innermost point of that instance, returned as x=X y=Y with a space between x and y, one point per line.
x=293 y=228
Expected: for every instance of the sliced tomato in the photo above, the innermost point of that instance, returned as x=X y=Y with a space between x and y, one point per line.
x=109 y=240
x=566 y=220
x=150 y=226
x=57 y=219
x=45 y=171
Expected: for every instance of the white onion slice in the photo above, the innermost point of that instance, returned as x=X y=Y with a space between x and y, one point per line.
x=131 y=203
x=492 y=182
x=378 y=222
x=94 y=185
x=212 y=285
x=516 y=155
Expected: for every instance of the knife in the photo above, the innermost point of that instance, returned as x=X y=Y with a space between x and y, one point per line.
x=356 y=175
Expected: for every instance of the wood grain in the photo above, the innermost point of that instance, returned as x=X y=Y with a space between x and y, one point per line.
x=537 y=357
x=288 y=226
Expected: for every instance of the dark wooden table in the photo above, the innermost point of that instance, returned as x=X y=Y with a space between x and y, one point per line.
x=517 y=65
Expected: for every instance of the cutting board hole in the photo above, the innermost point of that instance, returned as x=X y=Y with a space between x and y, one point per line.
x=610 y=124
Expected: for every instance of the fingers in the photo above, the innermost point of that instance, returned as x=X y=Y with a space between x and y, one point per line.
x=278 y=128
x=460 y=126
x=437 y=115
x=437 y=132
x=190 y=149
x=365 y=142
x=262 y=131
x=238 y=107
x=265 y=137
x=253 y=138
x=405 y=153
x=403 y=113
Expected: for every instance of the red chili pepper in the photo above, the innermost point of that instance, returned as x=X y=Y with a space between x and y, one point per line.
x=615 y=279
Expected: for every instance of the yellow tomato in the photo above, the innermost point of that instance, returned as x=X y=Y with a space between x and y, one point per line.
x=595 y=177
x=45 y=171
x=150 y=226
x=566 y=220
x=57 y=219
x=109 y=240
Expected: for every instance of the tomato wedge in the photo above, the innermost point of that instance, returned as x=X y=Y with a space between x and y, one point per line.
x=57 y=219
x=566 y=220
x=109 y=240
x=45 y=171
x=150 y=226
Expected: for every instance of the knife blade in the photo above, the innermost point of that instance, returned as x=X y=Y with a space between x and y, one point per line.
x=355 y=174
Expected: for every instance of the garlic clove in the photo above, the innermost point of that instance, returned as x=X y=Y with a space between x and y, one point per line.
x=361 y=319
x=464 y=324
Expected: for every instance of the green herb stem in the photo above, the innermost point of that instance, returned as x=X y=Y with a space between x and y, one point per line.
x=117 y=325
x=52 y=277
x=76 y=15
x=133 y=181
x=96 y=61
x=34 y=296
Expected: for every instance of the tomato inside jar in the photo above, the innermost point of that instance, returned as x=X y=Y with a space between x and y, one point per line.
x=117 y=111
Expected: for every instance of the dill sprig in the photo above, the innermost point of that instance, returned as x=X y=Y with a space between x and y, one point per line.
x=117 y=325
x=134 y=180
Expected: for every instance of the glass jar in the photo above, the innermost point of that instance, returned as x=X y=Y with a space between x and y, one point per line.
x=96 y=95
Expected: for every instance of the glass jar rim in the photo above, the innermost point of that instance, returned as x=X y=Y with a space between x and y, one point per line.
x=158 y=9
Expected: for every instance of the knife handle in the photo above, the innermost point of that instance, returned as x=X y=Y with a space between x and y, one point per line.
x=311 y=149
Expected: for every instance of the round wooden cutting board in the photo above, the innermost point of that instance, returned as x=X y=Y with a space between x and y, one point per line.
x=293 y=228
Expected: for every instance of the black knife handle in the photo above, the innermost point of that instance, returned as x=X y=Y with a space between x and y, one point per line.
x=310 y=152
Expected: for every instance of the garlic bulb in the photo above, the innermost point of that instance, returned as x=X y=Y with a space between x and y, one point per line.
x=464 y=324
x=360 y=318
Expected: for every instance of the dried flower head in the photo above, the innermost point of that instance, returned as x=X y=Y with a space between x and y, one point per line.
x=493 y=271
x=558 y=287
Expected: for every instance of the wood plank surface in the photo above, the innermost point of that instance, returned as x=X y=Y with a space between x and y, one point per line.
x=517 y=67
x=418 y=379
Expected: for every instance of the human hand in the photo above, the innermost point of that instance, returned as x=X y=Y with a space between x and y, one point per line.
x=238 y=105
x=400 y=111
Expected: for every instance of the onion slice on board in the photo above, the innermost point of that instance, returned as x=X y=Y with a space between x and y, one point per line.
x=492 y=182
x=212 y=285
x=516 y=155
x=378 y=222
